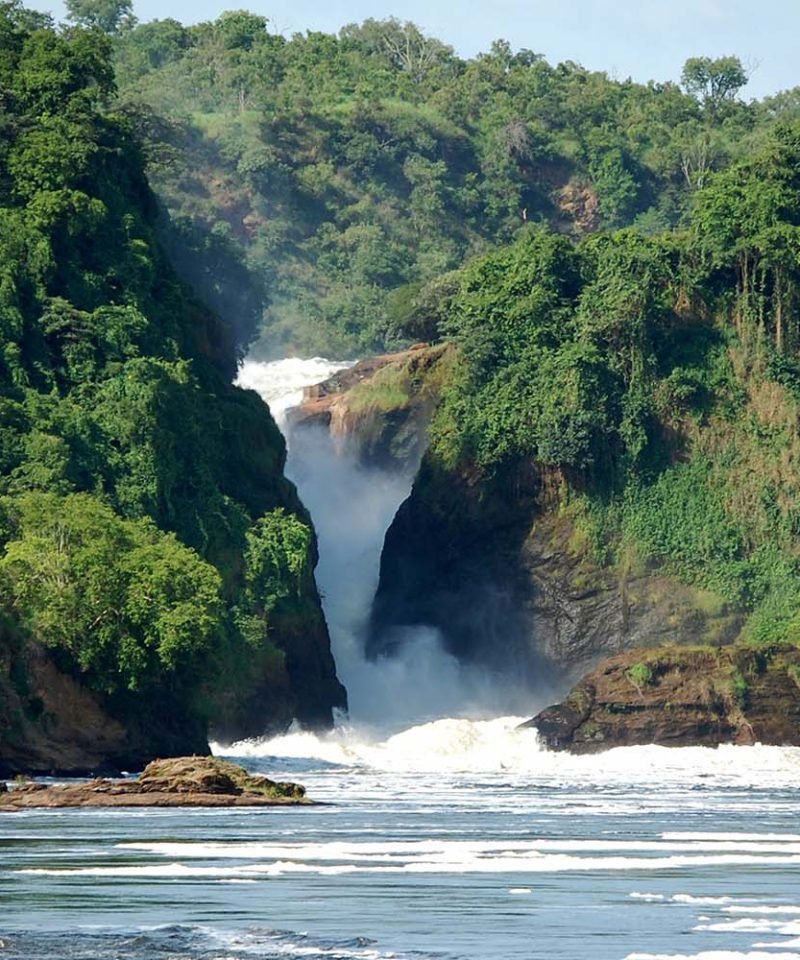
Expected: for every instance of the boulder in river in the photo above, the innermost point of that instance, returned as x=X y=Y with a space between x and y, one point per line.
x=177 y=782
x=691 y=696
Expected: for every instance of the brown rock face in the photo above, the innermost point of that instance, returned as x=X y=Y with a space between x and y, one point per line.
x=499 y=567
x=50 y=723
x=380 y=407
x=680 y=697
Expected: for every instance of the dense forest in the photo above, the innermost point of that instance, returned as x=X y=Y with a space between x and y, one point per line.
x=617 y=264
x=345 y=174
x=150 y=541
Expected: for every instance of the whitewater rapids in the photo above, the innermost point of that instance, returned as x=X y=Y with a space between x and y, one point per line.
x=423 y=713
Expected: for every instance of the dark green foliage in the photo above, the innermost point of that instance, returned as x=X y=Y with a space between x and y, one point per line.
x=559 y=348
x=135 y=481
x=124 y=601
x=714 y=81
x=658 y=376
x=106 y=15
x=351 y=171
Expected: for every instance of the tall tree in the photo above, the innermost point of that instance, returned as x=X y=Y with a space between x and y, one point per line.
x=714 y=81
x=108 y=15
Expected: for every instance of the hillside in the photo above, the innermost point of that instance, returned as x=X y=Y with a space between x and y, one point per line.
x=345 y=173
x=614 y=463
x=156 y=568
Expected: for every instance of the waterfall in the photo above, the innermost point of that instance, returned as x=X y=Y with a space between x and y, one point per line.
x=352 y=506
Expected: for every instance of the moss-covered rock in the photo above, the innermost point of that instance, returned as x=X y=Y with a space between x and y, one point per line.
x=692 y=697
x=382 y=406
x=177 y=782
x=210 y=775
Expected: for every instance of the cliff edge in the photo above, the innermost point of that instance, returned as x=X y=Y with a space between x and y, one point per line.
x=680 y=697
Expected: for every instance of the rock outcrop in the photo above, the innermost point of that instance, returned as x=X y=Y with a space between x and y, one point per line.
x=179 y=782
x=680 y=697
x=498 y=565
x=381 y=406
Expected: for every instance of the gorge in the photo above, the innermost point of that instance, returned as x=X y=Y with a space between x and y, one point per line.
x=545 y=530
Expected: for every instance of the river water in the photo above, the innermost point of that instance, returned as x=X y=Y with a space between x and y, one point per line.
x=444 y=832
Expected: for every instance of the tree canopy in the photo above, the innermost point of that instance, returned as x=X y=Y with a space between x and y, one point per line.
x=347 y=171
x=134 y=478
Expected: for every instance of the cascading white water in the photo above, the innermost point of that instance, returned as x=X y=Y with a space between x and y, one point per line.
x=423 y=713
x=352 y=507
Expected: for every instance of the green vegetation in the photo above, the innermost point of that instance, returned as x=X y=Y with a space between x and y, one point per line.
x=739 y=689
x=640 y=675
x=658 y=375
x=147 y=535
x=351 y=173
x=389 y=389
x=124 y=601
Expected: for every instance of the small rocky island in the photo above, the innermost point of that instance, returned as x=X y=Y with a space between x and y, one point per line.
x=676 y=696
x=177 y=782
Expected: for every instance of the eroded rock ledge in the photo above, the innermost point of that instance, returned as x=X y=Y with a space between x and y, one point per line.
x=680 y=697
x=381 y=406
x=180 y=782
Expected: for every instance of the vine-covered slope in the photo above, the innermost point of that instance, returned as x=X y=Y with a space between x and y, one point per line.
x=615 y=461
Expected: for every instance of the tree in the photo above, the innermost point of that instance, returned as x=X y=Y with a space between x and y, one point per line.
x=124 y=600
x=403 y=45
x=107 y=15
x=714 y=81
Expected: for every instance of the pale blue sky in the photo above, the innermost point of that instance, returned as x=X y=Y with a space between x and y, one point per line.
x=645 y=39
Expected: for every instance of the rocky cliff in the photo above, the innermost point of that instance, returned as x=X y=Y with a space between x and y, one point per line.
x=51 y=723
x=381 y=407
x=497 y=562
x=501 y=568
x=680 y=697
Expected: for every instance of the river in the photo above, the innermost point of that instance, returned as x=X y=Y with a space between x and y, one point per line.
x=445 y=831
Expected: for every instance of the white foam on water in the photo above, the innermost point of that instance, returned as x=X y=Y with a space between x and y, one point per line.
x=452 y=745
x=770 y=909
x=723 y=837
x=465 y=745
x=142 y=871
x=701 y=901
x=456 y=857
x=519 y=891
x=754 y=925
x=281 y=382
x=692 y=899
x=780 y=944
x=715 y=955
x=295 y=945
x=338 y=850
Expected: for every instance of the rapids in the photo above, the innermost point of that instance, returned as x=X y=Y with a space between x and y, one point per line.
x=445 y=833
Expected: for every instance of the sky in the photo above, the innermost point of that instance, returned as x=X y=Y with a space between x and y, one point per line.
x=643 y=39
